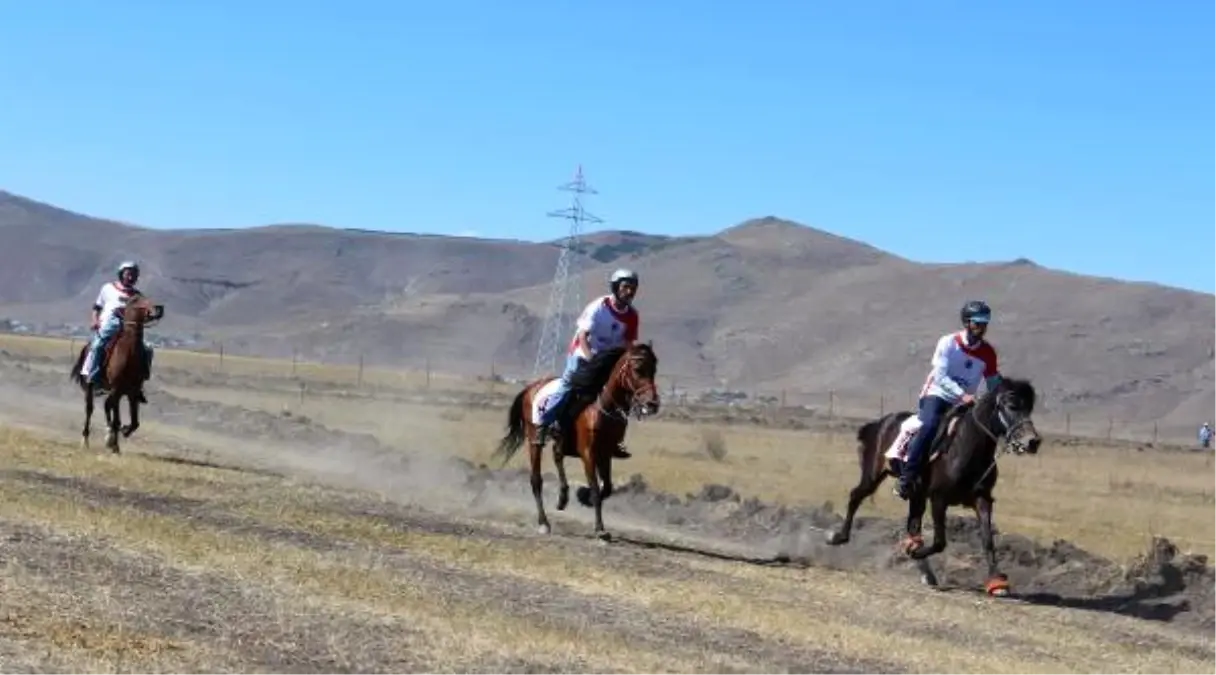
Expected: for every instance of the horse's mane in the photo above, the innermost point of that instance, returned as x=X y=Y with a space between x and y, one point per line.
x=594 y=376
x=1022 y=389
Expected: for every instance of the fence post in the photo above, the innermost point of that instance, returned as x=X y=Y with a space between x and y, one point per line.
x=1067 y=424
x=783 y=398
x=294 y=357
x=428 y=373
x=359 y=374
x=1110 y=428
x=1154 y=432
x=221 y=357
x=831 y=404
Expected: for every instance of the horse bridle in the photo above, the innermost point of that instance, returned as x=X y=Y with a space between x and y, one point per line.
x=1002 y=416
x=1010 y=444
x=629 y=383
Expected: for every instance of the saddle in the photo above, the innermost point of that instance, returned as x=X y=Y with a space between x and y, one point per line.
x=568 y=410
x=107 y=353
x=940 y=444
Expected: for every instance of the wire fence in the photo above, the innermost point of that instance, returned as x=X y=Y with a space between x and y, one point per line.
x=678 y=390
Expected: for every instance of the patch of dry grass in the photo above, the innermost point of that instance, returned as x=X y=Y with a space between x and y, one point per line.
x=64 y=349
x=1111 y=500
x=471 y=598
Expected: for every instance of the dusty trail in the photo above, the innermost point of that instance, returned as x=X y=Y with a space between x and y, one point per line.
x=1164 y=600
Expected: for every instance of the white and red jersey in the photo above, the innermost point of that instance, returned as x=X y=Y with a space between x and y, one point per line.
x=607 y=328
x=959 y=368
x=113 y=297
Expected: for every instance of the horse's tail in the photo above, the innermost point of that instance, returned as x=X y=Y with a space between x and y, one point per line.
x=509 y=445
x=868 y=430
x=75 y=375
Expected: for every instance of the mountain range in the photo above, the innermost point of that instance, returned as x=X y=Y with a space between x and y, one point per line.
x=766 y=303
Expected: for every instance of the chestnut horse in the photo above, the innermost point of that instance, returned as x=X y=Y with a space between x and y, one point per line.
x=612 y=385
x=124 y=369
x=961 y=470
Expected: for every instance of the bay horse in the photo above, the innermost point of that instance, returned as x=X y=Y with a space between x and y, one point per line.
x=603 y=393
x=124 y=369
x=961 y=470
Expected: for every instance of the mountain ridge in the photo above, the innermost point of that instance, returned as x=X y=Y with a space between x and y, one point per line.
x=763 y=303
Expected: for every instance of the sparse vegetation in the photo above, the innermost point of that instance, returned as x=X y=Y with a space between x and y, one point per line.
x=254 y=524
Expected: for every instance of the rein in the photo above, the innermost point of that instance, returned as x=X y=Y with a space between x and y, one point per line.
x=609 y=406
x=1001 y=448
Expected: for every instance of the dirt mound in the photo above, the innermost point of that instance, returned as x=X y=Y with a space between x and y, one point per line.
x=1161 y=584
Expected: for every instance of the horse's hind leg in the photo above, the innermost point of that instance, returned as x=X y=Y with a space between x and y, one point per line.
x=563 y=490
x=921 y=554
x=88 y=416
x=873 y=472
x=914 y=544
x=538 y=483
x=998 y=583
x=133 y=407
x=870 y=481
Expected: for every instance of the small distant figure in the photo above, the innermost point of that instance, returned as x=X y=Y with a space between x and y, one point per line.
x=1205 y=435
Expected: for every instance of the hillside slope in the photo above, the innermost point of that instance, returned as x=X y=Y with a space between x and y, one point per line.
x=767 y=303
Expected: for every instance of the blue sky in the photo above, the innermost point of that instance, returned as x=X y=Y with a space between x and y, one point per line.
x=1075 y=133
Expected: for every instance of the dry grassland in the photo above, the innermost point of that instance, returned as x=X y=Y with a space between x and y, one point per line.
x=1109 y=500
x=155 y=561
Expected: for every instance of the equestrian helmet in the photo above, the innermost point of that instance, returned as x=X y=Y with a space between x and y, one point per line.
x=128 y=265
x=622 y=275
x=977 y=311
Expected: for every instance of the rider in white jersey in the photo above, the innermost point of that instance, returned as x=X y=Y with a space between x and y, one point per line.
x=607 y=322
x=961 y=361
x=107 y=319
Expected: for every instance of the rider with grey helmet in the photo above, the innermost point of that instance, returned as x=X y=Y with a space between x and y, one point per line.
x=106 y=320
x=607 y=322
x=961 y=360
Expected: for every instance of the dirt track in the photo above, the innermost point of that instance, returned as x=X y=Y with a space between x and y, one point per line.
x=702 y=582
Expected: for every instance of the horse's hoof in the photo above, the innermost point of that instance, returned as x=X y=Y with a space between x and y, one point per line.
x=912 y=545
x=929 y=579
x=998 y=586
x=603 y=536
x=543 y=529
x=563 y=500
x=837 y=538
x=583 y=494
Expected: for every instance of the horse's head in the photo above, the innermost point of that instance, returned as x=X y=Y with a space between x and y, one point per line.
x=139 y=310
x=635 y=373
x=1010 y=407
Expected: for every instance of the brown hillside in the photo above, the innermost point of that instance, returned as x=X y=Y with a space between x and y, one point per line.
x=767 y=303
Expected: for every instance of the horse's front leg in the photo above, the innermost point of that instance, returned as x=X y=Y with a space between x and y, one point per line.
x=559 y=458
x=133 y=407
x=998 y=583
x=590 y=495
x=604 y=468
x=113 y=419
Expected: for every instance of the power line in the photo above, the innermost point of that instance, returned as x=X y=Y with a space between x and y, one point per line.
x=566 y=292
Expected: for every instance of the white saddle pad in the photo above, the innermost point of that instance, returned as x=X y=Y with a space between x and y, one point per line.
x=540 y=403
x=900 y=445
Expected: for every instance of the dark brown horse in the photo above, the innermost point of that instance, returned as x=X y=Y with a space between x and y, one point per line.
x=611 y=386
x=124 y=370
x=961 y=469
